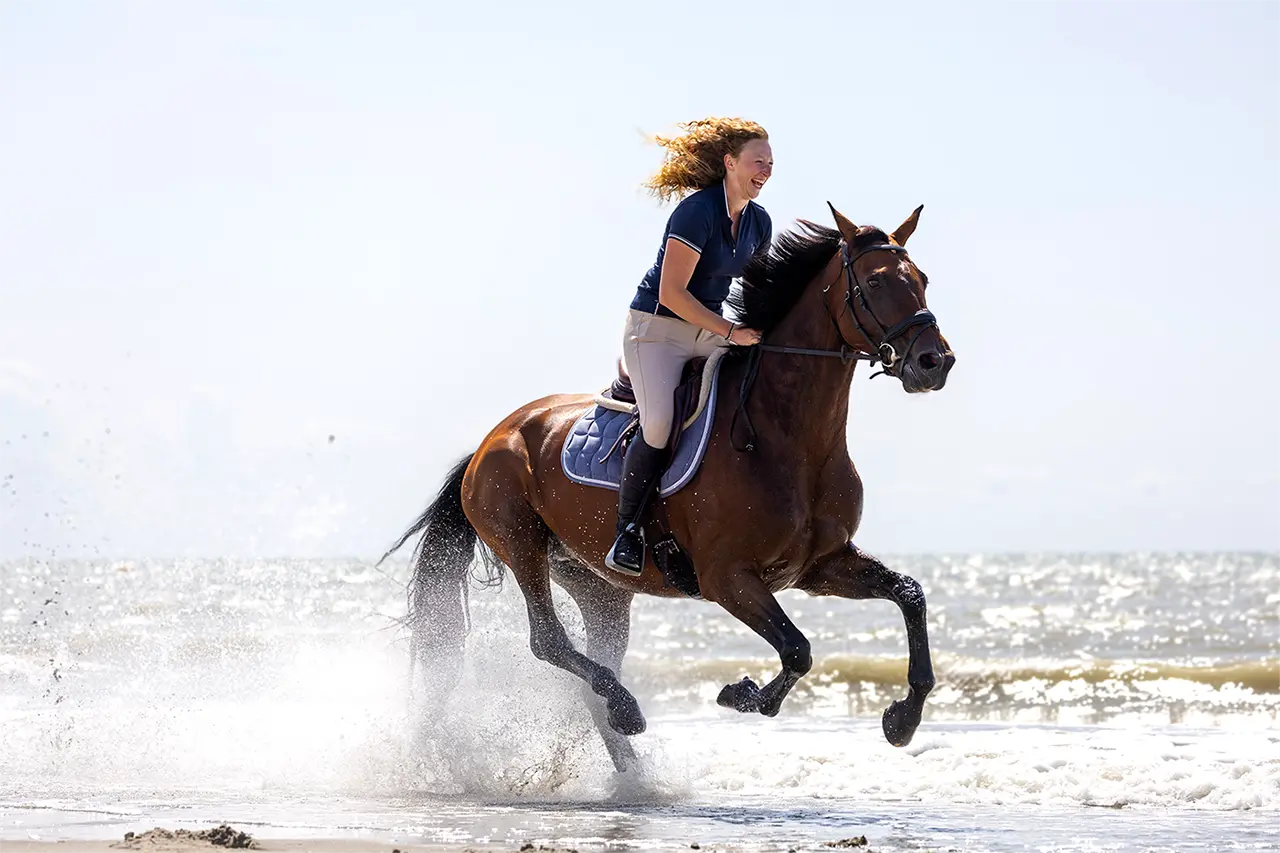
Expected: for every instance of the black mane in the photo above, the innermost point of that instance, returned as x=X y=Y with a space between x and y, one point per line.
x=774 y=280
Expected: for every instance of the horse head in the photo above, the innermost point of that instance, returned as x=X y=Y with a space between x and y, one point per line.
x=881 y=308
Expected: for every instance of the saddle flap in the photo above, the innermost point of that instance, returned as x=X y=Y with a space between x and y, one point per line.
x=687 y=395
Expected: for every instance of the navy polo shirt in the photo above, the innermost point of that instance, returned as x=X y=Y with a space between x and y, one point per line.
x=701 y=221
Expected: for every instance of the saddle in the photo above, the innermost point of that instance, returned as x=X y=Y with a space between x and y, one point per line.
x=691 y=397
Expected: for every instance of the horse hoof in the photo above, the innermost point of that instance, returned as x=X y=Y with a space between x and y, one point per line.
x=900 y=722
x=625 y=717
x=743 y=697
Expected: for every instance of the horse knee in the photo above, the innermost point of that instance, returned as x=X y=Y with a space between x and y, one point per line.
x=910 y=594
x=796 y=656
x=548 y=644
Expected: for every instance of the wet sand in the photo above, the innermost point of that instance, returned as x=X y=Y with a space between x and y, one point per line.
x=212 y=840
x=271 y=845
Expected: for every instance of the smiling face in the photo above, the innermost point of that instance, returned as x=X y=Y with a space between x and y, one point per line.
x=749 y=171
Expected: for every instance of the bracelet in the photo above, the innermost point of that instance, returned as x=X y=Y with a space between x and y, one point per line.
x=729 y=337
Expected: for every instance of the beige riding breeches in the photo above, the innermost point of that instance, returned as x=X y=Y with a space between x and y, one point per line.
x=655 y=349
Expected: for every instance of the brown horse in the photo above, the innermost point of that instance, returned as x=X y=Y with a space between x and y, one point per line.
x=780 y=515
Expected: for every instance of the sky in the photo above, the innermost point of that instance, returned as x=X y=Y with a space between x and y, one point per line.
x=268 y=269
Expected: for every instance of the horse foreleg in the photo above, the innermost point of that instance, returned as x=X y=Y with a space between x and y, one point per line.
x=550 y=643
x=606 y=615
x=746 y=597
x=853 y=574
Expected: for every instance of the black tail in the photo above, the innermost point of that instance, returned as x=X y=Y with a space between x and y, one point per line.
x=442 y=562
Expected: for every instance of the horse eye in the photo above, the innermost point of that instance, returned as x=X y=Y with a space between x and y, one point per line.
x=874 y=281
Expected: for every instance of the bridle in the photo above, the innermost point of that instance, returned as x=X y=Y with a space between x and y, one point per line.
x=881 y=353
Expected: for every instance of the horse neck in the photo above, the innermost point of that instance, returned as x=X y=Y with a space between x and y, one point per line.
x=806 y=397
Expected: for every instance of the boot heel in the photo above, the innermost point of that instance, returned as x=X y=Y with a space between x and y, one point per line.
x=611 y=559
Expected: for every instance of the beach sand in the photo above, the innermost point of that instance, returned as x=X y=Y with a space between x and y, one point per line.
x=211 y=841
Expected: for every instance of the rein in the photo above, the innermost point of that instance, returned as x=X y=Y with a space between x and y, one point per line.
x=884 y=353
x=845 y=354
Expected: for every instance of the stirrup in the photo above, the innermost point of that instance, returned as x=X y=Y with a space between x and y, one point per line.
x=610 y=558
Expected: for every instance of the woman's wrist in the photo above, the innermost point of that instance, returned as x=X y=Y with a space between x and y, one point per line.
x=729 y=334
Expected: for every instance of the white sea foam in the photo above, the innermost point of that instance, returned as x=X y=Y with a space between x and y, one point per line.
x=1004 y=765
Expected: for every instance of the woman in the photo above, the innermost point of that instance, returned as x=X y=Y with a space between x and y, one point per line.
x=675 y=315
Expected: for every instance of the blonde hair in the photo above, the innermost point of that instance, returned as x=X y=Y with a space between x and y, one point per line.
x=695 y=159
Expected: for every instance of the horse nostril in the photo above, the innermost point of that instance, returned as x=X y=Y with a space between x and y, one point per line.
x=929 y=361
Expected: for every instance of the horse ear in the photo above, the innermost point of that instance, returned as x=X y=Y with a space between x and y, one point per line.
x=907 y=228
x=847 y=229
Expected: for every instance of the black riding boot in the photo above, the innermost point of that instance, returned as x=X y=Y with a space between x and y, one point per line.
x=640 y=469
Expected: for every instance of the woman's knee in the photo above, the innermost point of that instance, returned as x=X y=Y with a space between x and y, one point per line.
x=655 y=426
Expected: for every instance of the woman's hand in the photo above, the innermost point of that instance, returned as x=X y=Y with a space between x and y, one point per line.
x=678 y=263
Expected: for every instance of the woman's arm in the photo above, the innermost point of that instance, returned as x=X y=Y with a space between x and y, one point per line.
x=678 y=262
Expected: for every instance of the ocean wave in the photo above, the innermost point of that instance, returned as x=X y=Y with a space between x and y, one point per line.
x=1261 y=676
x=1090 y=691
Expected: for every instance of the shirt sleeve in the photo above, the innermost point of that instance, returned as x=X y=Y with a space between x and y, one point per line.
x=691 y=224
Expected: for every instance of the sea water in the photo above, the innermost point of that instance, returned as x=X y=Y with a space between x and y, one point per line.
x=1084 y=702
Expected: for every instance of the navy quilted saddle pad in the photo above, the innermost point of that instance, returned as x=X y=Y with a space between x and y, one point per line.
x=596 y=432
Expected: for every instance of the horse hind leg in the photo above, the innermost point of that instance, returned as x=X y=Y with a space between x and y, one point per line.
x=521 y=539
x=606 y=616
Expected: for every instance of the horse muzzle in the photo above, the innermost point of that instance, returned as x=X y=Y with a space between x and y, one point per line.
x=926 y=371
